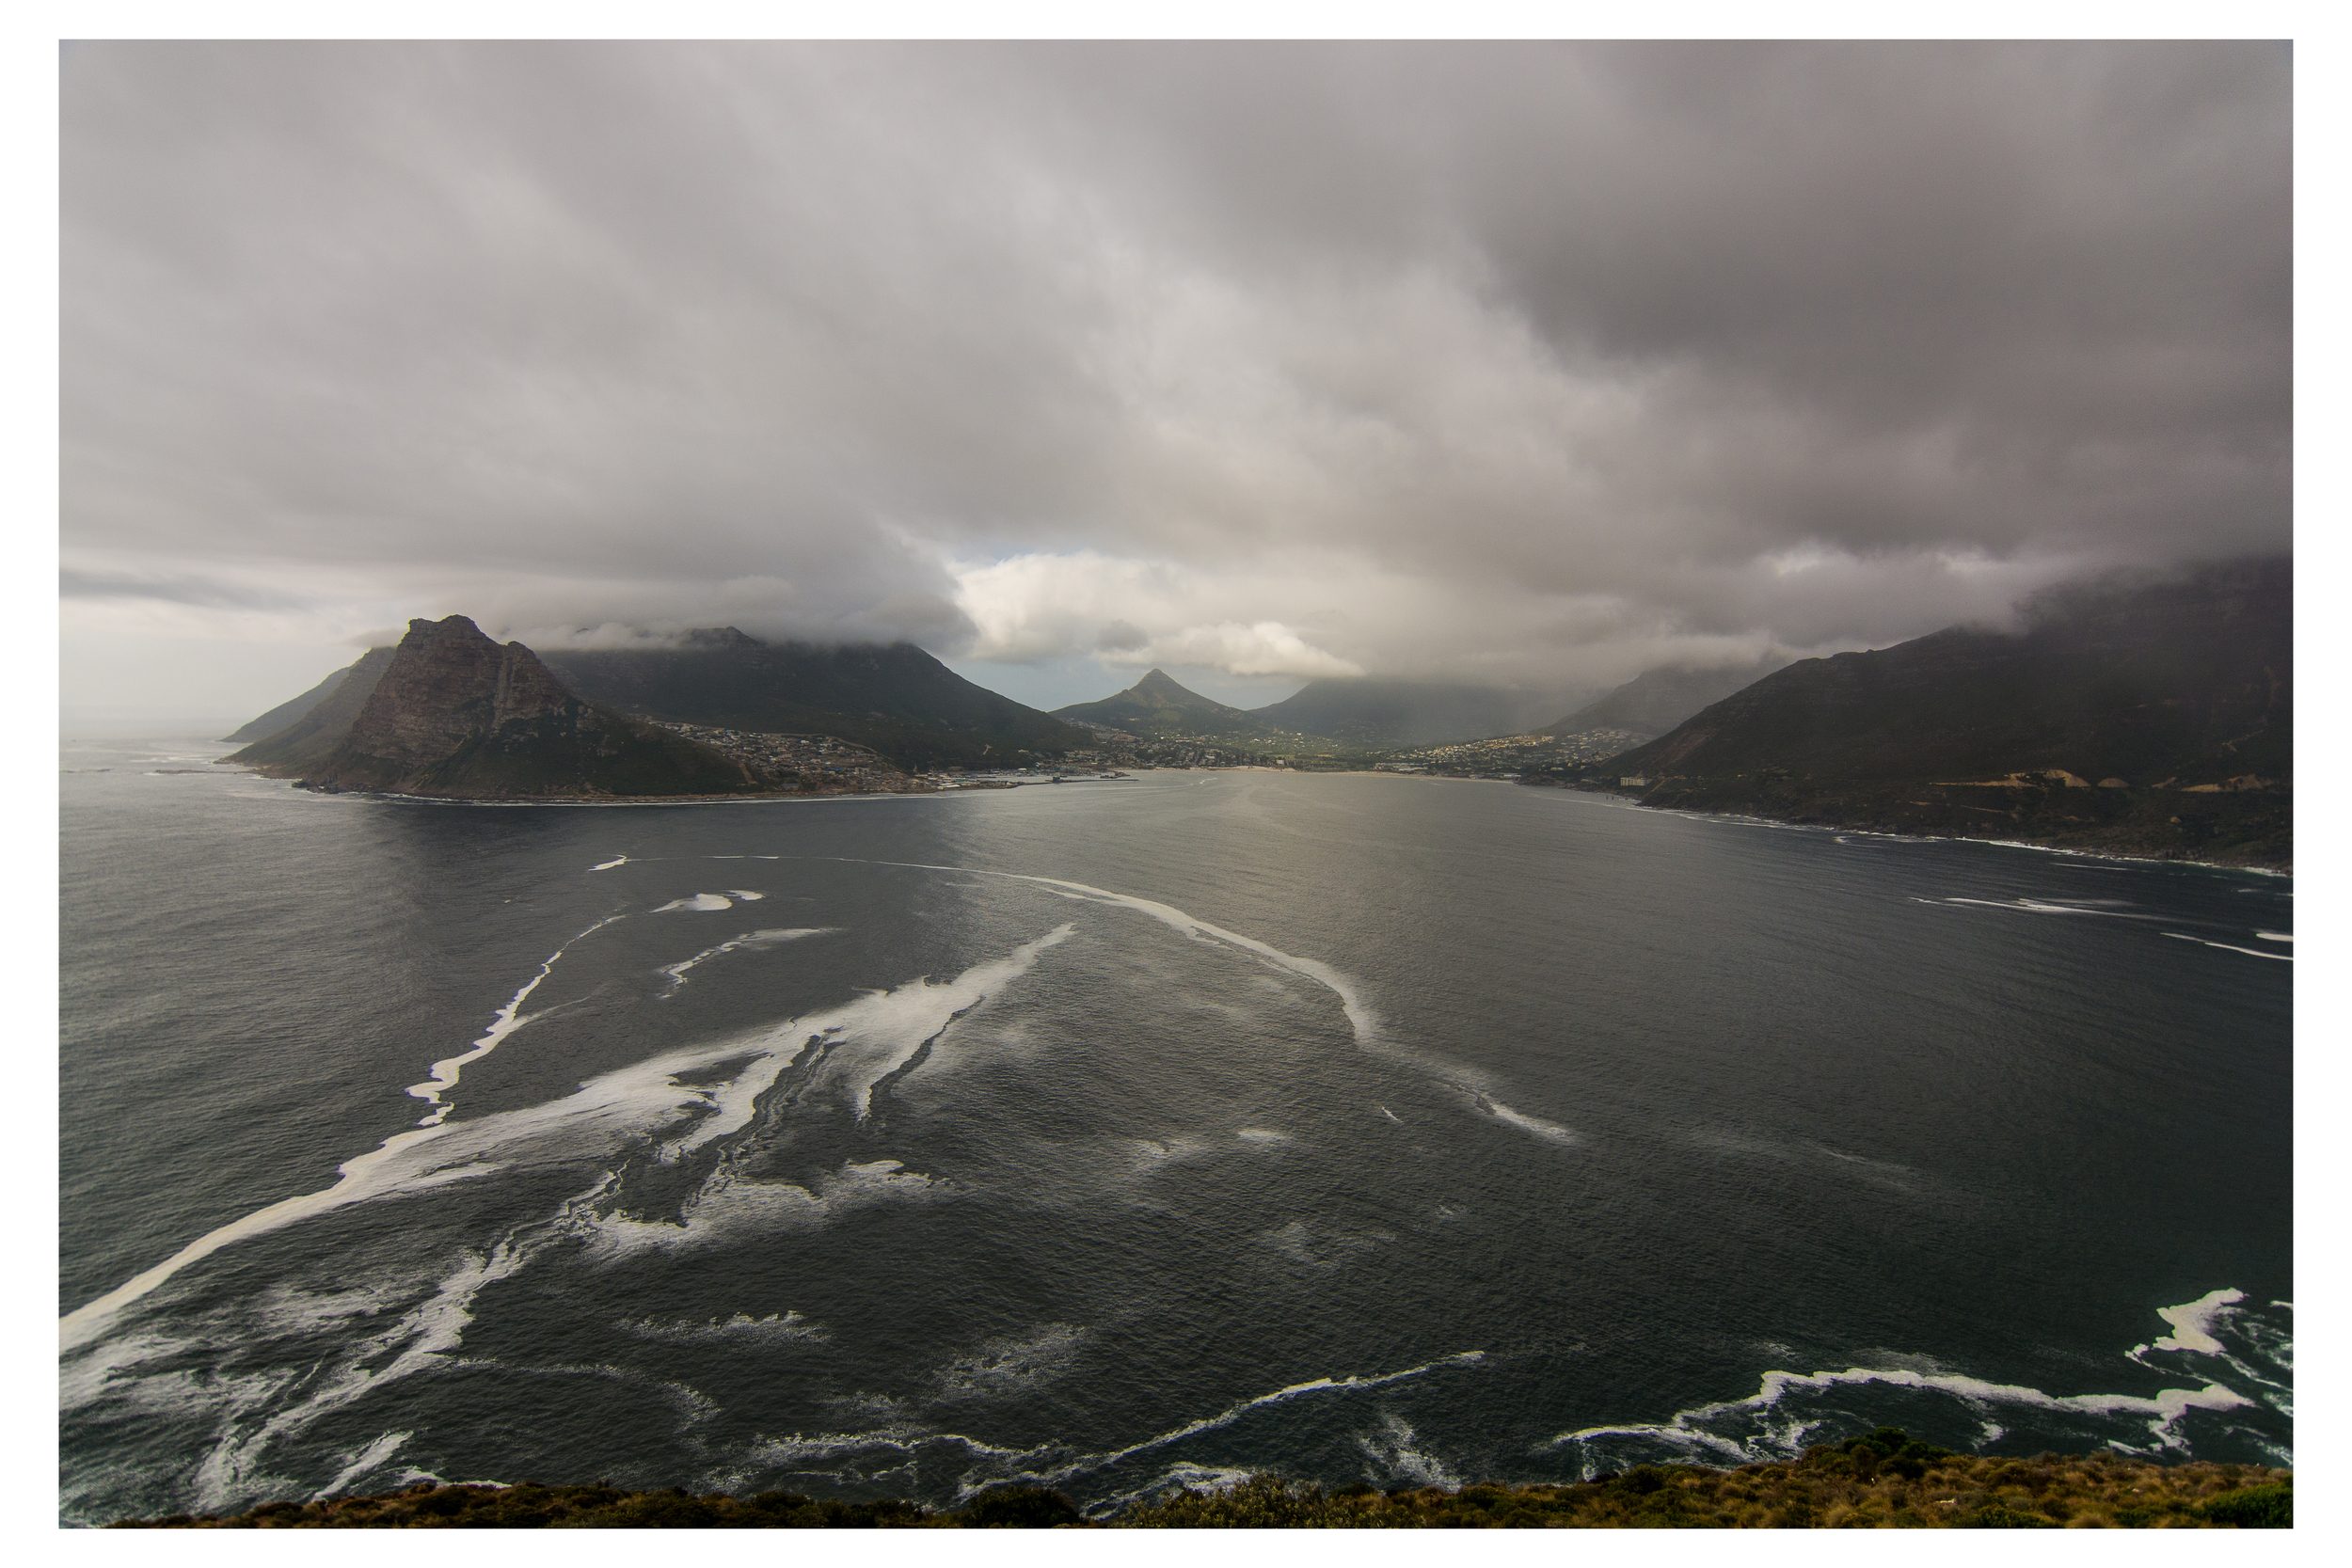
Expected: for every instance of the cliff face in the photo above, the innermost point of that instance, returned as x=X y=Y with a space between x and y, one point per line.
x=447 y=686
x=319 y=719
x=456 y=714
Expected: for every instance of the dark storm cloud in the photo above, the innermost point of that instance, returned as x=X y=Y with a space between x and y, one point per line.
x=1525 y=361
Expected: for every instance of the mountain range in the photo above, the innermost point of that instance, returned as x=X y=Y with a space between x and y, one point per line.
x=894 y=698
x=2145 y=717
x=1359 y=715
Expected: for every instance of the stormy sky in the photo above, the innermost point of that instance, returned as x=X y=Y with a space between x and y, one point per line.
x=1532 y=364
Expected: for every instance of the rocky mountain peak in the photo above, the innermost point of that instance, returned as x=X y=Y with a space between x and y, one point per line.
x=448 y=683
x=1159 y=683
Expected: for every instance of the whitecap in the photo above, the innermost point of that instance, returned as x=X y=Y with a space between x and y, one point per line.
x=1393 y=1449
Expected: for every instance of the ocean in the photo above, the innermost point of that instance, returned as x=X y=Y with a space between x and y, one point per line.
x=1121 y=1136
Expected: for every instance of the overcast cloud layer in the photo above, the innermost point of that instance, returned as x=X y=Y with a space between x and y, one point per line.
x=1536 y=364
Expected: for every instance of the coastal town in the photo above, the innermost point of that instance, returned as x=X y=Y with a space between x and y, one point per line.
x=822 y=764
x=1511 y=756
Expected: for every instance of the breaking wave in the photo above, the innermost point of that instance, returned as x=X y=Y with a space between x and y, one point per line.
x=1790 y=1411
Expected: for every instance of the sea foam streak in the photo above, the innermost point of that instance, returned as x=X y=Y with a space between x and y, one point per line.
x=2036 y=906
x=1772 y=1424
x=445 y=1071
x=1233 y=1412
x=1360 y=1017
x=1362 y=1020
x=875 y=1035
x=676 y=971
x=2249 y=952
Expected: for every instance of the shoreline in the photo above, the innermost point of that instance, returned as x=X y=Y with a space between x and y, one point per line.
x=2248 y=867
x=1629 y=800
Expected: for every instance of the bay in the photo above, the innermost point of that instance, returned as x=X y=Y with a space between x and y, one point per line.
x=1116 y=1135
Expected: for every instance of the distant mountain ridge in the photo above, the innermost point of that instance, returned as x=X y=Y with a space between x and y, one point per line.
x=1355 y=713
x=896 y=698
x=1159 y=705
x=287 y=712
x=2176 y=696
x=1381 y=715
x=1655 y=700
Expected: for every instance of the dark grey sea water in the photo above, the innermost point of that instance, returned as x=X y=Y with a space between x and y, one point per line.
x=1120 y=1135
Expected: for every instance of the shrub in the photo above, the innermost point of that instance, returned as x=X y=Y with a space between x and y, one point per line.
x=2271 y=1507
x=1019 y=1508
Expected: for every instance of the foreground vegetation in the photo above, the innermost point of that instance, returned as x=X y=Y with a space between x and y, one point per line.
x=1880 y=1481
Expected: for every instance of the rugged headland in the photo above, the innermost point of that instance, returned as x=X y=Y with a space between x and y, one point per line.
x=793 y=713
x=449 y=713
x=1883 y=1480
x=2149 y=719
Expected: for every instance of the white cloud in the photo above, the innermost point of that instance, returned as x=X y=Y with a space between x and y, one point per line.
x=1267 y=648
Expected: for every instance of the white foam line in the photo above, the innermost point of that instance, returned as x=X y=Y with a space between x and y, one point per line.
x=1233 y=1412
x=1520 y=1119
x=618 y=1106
x=362 y=1176
x=2035 y=906
x=357 y=1179
x=445 y=1072
x=676 y=971
x=2167 y=1407
x=433 y=1329
x=374 y=1454
x=1361 y=1017
x=2249 y=952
